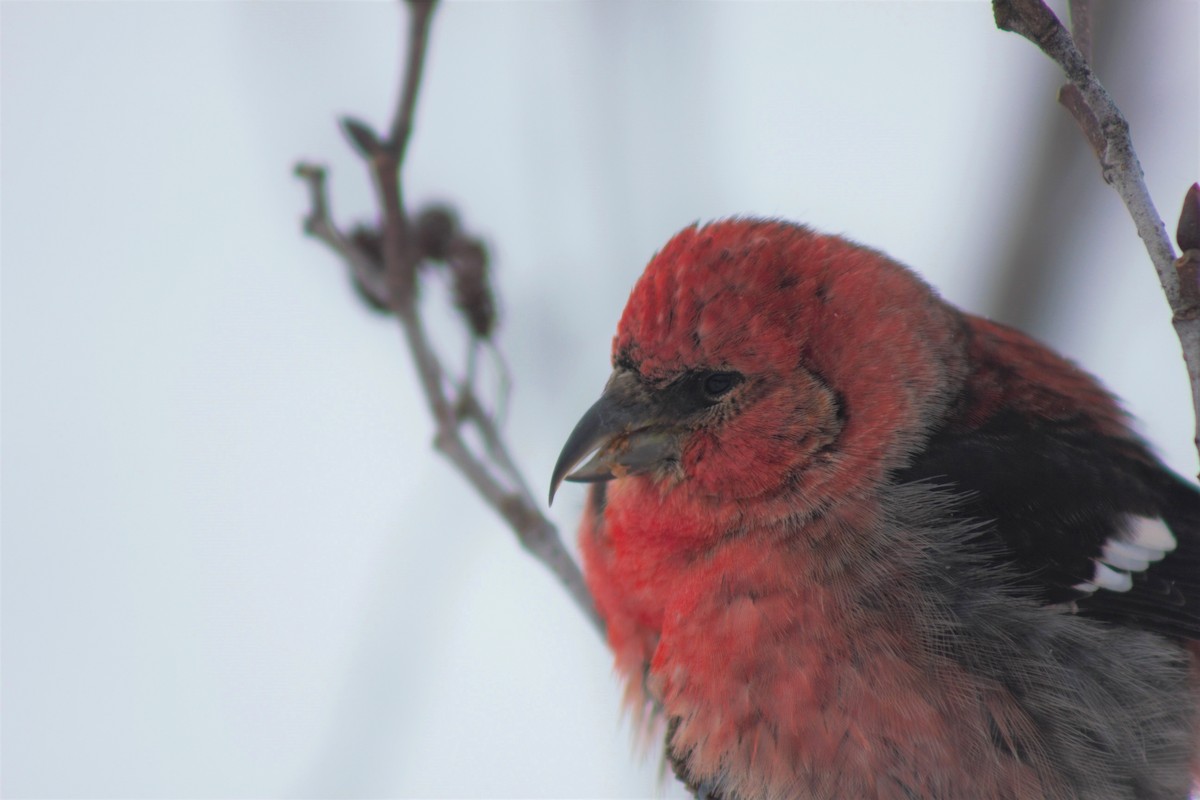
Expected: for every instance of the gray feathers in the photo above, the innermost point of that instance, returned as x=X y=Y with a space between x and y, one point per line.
x=1112 y=711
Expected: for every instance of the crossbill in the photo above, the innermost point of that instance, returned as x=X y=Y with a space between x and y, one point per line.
x=851 y=542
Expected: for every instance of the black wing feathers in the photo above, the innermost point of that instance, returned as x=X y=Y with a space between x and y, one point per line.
x=1054 y=497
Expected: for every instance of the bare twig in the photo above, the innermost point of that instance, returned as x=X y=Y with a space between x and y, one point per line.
x=1072 y=100
x=1069 y=95
x=1118 y=160
x=1081 y=26
x=1045 y=216
x=418 y=37
x=368 y=273
x=389 y=276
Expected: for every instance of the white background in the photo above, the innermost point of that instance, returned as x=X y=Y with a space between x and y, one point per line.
x=232 y=565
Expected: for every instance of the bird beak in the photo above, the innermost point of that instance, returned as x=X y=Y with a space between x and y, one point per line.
x=623 y=429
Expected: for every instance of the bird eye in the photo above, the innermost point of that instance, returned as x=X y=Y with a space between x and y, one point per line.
x=717 y=384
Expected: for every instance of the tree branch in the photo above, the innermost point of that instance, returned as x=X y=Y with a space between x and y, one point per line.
x=1108 y=132
x=368 y=274
x=1081 y=26
x=421 y=12
x=387 y=270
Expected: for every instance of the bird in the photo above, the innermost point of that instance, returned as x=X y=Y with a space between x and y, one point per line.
x=849 y=541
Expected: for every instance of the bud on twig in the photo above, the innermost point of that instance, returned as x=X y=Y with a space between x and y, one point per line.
x=468 y=260
x=1187 y=236
x=365 y=141
x=1187 y=233
x=435 y=227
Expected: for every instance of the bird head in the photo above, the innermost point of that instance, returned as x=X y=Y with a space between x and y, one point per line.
x=757 y=357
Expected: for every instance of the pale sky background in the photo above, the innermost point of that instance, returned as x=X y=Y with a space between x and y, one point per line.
x=231 y=564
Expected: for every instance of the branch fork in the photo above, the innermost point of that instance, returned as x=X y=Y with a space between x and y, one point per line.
x=1108 y=132
x=386 y=264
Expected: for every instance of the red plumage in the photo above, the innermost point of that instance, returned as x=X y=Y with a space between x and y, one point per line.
x=832 y=506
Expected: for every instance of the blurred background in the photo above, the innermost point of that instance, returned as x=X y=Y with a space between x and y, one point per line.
x=232 y=565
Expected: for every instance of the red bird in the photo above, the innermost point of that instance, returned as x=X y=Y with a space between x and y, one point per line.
x=850 y=542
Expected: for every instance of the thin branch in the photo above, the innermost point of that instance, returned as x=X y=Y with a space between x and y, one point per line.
x=1045 y=215
x=421 y=12
x=390 y=277
x=1069 y=95
x=470 y=409
x=1072 y=100
x=536 y=533
x=1081 y=26
x=1121 y=168
x=319 y=224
